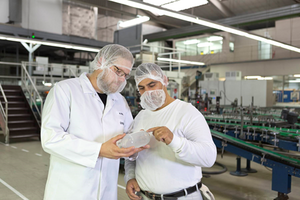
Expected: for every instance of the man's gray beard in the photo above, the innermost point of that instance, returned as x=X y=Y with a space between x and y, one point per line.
x=106 y=86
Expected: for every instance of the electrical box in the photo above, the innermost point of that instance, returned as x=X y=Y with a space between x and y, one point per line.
x=234 y=75
x=211 y=76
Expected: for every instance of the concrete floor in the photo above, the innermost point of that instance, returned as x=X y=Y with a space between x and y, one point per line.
x=24 y=167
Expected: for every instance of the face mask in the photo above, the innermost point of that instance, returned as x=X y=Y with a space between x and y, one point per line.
x=153 y=99
x=109 y=82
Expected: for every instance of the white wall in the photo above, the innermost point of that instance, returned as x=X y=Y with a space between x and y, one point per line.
x=262 y=68
x=261 y=90
x=4 y=11
x=287 y=31
x=42 y=15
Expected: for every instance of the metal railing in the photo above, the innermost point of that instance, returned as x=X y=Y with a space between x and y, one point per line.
x=4 y=116
x=30 y=88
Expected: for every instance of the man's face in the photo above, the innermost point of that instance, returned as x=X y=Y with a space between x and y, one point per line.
x=112 y=79
x=121 y=67
x=149 y=84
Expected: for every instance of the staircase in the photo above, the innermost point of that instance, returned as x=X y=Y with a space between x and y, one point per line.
x=21 y=120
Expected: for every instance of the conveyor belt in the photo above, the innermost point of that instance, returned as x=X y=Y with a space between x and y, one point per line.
x=257 y=150
x=292 y=133
x=283 y=167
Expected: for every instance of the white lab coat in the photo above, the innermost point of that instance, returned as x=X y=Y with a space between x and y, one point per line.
x=74 y=126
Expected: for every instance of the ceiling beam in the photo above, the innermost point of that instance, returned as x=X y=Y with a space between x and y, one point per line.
x=13 y=30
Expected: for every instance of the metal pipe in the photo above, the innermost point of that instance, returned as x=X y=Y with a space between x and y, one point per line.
x=242 y=135
x=251 y=111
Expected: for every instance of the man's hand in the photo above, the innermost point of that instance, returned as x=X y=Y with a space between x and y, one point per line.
x=162 y=133
x=132 y=187
x=109 y=149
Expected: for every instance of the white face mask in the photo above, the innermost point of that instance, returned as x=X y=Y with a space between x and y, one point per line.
x=153 y=99
x=109 y=82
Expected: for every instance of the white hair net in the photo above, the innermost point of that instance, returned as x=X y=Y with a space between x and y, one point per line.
x=109 y=54
x=152 y=71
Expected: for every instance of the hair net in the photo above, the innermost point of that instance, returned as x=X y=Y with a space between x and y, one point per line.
x=109 y=54
x=150 y=70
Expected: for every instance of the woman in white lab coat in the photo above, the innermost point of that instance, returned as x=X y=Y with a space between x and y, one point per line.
x=80 y=129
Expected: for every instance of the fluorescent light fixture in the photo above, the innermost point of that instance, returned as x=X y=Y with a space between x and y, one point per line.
x=295 y=81
x=48 y=43
x=265 y=78
x=193 y=41
x=203 y=22
x=184 y=4
x=252 y=77
x=259 y=77
x=204 y=44
x=177 y=5
x=138 y=20
x=296 y=75
x=214 y=38
x=157 y=2
x=180 y=61
x=47 y=84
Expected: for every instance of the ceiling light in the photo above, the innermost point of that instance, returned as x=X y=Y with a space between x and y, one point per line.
x=252 y=77
x=180 y=61
x=204 y=22
x=157 y=2
x=47 y=84
x=259 y=77
x=214 y=38
x=295 y=81
x=177 y=5
x=204 y=44
x=138 y=20
x=296 y=75
x=265 y=78
x=184 y=4
x=194 y=41
x=47 y=43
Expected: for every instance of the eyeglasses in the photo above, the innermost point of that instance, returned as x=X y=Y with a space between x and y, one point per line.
x=121 y=73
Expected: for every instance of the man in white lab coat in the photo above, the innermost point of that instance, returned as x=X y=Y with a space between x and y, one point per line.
x=181 y=143
x=81 y=122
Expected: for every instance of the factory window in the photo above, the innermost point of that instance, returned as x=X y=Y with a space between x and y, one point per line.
x=200 y=46
x=264 y=50
x=231 y=46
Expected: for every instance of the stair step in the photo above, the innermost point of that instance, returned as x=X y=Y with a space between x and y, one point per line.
x=17 y=109
x=22 y=129
x=19 y=115
x=21 y=110
x=11 y=90
x=24 y=136
x=20 y=121
x=11 y=87
x=11 y=96
x=14 y=104
x=13 y=117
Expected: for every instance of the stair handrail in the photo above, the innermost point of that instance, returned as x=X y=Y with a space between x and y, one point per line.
x=5 y=115
x=24 y=74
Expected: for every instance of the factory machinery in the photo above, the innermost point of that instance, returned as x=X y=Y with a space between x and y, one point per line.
x=246 y=136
